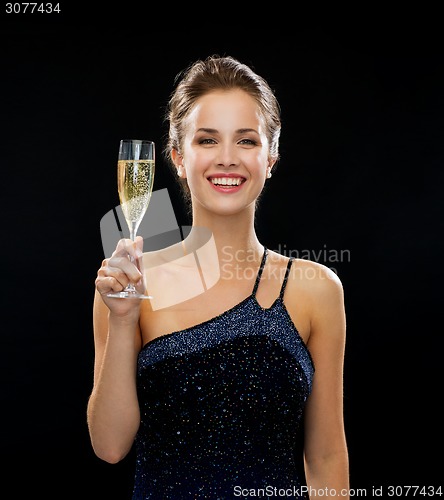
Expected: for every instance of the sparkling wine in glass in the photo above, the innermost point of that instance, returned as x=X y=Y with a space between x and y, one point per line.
x=135 y=178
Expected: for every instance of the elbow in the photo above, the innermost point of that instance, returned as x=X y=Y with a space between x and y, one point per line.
x=111 y=458
x=112 y=442
x=110 y=454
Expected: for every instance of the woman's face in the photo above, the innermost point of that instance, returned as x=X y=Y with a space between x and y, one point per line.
x=225 y=154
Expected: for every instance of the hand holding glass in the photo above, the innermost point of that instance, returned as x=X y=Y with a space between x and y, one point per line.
x=135 y=178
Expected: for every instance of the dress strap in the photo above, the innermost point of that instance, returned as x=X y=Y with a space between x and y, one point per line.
x=287 y=272
x=259 y=273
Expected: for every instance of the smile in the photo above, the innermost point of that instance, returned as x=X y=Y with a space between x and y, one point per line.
x=226 y=181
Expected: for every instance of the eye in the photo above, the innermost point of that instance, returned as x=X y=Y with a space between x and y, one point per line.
x=207 y=141
x=248 y=142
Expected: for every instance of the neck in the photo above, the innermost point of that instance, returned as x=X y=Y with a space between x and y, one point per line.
x=234 y=235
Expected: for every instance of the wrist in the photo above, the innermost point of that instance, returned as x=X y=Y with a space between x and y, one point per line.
x=129 y=318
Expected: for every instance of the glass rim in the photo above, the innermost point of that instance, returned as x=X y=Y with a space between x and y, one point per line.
x=137 y=141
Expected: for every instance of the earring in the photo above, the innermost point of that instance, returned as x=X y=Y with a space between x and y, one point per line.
x=180 y=171
x=268 y=173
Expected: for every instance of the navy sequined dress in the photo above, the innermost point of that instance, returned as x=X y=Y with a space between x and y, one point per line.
x=222 y=406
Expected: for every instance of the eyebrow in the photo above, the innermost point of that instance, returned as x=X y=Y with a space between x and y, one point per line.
x=214 y=131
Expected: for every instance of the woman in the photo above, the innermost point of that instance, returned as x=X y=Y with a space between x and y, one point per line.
x=237 y=389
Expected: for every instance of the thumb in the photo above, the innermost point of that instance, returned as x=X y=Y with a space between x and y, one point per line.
x=139 y=243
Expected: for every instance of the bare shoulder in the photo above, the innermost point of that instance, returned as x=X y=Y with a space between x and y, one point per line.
x=314 y=296
x=315 y=278
x=307 y=275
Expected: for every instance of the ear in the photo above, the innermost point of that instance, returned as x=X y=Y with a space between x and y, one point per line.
x=178 y=162
x=270 y=166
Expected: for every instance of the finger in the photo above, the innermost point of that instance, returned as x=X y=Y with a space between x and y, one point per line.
x=140 y=286
x=126 y=266
x=126 y=246
x=122 y=269
x=122 y=244
x=117 y=274
x=139 y=244
x=108 y=284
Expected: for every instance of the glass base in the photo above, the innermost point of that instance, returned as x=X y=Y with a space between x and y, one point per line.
x=128 y=295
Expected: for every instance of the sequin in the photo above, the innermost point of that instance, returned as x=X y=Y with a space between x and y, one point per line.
x=222 y=406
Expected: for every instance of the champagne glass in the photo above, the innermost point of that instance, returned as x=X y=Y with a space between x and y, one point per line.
x=135 y=178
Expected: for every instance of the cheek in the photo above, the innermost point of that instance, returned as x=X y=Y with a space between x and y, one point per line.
x=259 y=161
x=197 y=161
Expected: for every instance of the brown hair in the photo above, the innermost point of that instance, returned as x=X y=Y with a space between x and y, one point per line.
x=219 y=73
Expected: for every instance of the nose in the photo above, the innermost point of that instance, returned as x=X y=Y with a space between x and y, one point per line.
x=227 y=156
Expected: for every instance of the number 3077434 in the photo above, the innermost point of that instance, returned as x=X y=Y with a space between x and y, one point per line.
x=32 y=8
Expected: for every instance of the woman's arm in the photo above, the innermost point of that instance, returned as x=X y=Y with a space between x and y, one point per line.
x=326 y=455
x=113 y=411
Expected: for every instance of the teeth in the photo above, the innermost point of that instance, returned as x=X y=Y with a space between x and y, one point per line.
x=226 y=181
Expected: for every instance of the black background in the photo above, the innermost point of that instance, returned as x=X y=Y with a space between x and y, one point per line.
x=361 y=171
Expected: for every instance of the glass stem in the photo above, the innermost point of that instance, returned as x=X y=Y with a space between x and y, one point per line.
x=133 y=231
x=132 y=226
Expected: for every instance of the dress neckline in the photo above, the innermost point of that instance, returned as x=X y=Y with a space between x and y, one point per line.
x=251 y=296
x=247 y=299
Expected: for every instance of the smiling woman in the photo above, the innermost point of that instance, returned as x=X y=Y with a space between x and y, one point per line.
x=228 y=156
x=238 y=387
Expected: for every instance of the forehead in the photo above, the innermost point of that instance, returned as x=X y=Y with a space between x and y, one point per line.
x=218 y=109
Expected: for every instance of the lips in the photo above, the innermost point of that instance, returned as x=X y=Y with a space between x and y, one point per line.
x=226 y=182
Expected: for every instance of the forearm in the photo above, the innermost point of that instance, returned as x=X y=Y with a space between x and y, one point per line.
x=113 y=410
x=329 y=476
